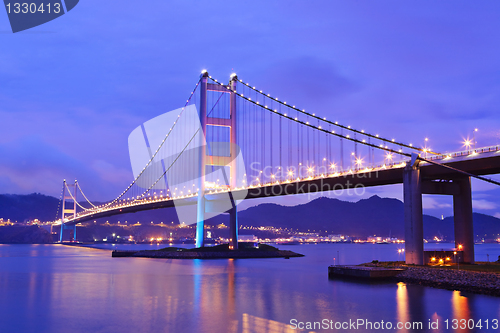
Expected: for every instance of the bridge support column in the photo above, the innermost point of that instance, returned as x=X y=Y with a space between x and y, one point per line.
x=233 y=228
x=200 y=213
x=414 y=229
x=462 y=211
x=200 y=224
x=233 y=213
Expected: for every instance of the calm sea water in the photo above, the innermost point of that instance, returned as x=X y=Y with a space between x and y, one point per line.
x=56 y=288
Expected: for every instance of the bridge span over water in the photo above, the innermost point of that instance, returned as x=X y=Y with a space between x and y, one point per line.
x=234 y=142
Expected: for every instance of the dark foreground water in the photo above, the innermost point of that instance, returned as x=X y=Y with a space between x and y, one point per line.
x=55 y=288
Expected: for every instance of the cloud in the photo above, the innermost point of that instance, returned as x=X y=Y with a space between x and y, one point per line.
x=110 y=173
x=483 y=204
x=32 y=165
x=431 y=203
x=308 y=79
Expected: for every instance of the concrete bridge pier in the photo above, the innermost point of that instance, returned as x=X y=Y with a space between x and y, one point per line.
x=414 y=187
x=462 y=211
x=233 y=228
x=414 y=228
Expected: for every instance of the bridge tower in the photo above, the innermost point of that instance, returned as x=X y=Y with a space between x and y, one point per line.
x=69 y=192
x=221 y=161
x=414 y=186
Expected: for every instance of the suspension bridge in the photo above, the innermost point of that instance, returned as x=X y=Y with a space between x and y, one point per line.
x=233 y=142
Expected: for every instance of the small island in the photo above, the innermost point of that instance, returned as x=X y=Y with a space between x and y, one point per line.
x=244 y=251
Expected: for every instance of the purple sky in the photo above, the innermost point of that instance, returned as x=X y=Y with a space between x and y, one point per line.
x=73 y=89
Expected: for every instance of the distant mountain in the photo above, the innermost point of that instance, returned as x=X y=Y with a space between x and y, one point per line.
x=28 y=207
x=367 y=217
x=485 y=226
x=22 y=208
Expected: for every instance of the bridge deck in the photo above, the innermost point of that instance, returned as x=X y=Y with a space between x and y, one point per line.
x=483 y=163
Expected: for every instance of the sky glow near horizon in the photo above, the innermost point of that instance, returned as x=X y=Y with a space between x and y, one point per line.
x=74 y=89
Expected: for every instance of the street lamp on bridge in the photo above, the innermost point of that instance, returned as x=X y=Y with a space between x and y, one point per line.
x=426 y=147
x=474 y=137
x=467 y=143
x=359 y=162
x=388 y=158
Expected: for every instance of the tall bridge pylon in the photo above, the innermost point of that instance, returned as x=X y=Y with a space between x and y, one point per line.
x=212 y=157
x=69 y=193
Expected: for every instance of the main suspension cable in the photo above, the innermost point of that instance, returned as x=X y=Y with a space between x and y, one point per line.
x=376 y=136
x=307 y=124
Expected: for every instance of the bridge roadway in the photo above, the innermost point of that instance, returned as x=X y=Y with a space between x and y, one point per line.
x=482 y=163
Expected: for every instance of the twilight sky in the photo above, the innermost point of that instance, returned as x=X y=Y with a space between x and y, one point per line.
x=73 y=89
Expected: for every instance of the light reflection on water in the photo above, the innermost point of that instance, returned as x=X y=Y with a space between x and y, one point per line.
x=54 y=288
x=460 y=306
x=402 y=304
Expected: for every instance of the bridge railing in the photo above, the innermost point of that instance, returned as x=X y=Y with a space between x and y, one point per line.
x=466 y=152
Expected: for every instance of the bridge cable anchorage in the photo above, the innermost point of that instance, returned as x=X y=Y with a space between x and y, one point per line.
x=335 y=123
x=83 y=194
x=347 y=137
x=459 y=171
x=157 y=150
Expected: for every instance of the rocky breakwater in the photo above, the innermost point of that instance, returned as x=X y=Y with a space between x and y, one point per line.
x=468 y=281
